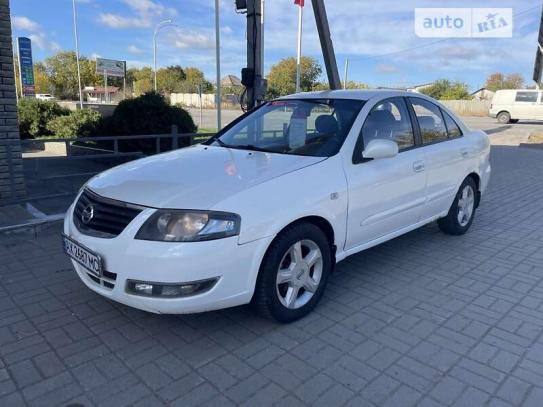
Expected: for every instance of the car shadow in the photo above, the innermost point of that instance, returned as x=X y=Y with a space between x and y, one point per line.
x=497 y=129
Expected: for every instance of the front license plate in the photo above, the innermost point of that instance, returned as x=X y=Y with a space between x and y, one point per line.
x=84 y=256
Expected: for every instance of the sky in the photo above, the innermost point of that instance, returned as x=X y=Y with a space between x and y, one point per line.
x=377 y=36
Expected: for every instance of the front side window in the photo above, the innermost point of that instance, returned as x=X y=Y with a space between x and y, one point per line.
x=431 y=123
x=526 y=97
x=311 y=127
x=389 y=120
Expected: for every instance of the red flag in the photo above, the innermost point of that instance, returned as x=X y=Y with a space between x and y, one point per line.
x=299 y=2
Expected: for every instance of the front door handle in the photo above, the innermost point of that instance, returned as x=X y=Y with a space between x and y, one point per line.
x=418 y=166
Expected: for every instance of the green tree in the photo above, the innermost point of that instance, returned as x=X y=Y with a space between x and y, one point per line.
x=149 y=113
x=194 y=78
x=169 y=79
x=41 y=78
x=142 y=81
x=282 y=76
x=62 y=71
x=79 y=123
x=350 y=85
x=34 y=114
x=445 y=89
x=497 y=81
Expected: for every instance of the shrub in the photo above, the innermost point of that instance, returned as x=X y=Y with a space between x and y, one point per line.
x=82 y=123
x=149 y=113
x=34 y=114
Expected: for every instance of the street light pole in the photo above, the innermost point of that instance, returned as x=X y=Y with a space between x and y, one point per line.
x=160 y=25
x=77 y=56
x=218 y=63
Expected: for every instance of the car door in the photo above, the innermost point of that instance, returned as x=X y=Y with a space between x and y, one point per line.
x=385 y=195
x=526 y=106
x=446 y=157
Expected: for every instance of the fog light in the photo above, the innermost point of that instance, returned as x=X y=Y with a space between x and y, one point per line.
x=170 y=290
x=144 y=289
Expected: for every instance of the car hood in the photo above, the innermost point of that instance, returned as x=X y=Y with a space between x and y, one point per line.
x=196 y=177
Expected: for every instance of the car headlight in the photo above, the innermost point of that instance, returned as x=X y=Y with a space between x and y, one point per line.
x=189 y=226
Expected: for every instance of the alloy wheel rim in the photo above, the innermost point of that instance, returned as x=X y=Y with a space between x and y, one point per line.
x=466 y=205
x=299 y=274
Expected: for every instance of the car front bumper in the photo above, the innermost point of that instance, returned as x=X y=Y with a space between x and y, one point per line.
x=125 y=258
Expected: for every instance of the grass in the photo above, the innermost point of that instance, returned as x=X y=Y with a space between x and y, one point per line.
x=204 y=130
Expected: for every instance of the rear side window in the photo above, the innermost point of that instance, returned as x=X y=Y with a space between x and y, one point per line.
x=526 y=97
x=431 y=123
x=453 y=130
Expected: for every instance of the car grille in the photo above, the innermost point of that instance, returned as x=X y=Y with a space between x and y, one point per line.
x=109 y=217
x=107 y=280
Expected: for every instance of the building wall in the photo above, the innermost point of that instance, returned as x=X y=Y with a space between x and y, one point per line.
x=12 y=184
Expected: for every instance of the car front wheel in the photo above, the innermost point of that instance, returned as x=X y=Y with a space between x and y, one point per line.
x=462 y=211
x=294 y=273
x=504 y=117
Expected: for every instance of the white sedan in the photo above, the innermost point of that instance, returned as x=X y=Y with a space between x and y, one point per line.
x=263 y=211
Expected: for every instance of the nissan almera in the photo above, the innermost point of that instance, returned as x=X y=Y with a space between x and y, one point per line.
x=263 y=211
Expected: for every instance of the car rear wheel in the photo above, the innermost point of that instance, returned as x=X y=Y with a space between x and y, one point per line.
x=462 y=211
x=293 y=274
x=504 y=117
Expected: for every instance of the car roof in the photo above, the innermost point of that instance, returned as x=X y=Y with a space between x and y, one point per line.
x=357 y=94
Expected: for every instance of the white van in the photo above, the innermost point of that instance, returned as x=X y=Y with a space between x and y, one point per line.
x=512 y=105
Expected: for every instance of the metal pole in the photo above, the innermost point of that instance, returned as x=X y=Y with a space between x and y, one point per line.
x=105 y=86
x=262 y=8
x=200 y=94
x=346 y=75
x=160 y=25
x=15 y=67
x=77 y=56
x=299 y=54
x=255 y=92
x=154 y=58
x=218 y=62
x=326 y=44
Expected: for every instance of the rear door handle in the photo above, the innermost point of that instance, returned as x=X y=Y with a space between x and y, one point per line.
x=464 y=152
x=418 y=166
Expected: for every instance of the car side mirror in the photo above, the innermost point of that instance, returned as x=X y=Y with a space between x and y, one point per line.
x=381 y=148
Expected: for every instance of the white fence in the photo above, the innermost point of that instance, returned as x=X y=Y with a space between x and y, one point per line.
x=193 y=99
x=468 y=107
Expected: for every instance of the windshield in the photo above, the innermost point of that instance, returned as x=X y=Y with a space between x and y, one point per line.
x=312 y=127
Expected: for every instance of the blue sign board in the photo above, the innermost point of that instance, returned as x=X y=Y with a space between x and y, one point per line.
x=26 y=68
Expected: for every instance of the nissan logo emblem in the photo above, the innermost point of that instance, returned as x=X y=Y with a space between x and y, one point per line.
x=87 y=214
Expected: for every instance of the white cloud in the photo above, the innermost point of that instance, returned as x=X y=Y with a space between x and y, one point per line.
x=134 y=50
x=24 y=23
x=118 y=21
x=386 y=68
x=40 y=40
x=193 y=39
x=145 y=14
x=36 y=35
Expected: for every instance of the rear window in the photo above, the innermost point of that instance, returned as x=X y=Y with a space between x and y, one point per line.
x=526 y=97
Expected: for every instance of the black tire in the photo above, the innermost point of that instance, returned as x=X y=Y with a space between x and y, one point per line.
x=451 y=224
x=514 y=121
x=266 y=299
x=504 y=117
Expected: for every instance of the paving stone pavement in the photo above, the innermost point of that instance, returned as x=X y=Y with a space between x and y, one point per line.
x=426 y=319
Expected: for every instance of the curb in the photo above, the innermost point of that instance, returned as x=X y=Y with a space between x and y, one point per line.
x=31 y=227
